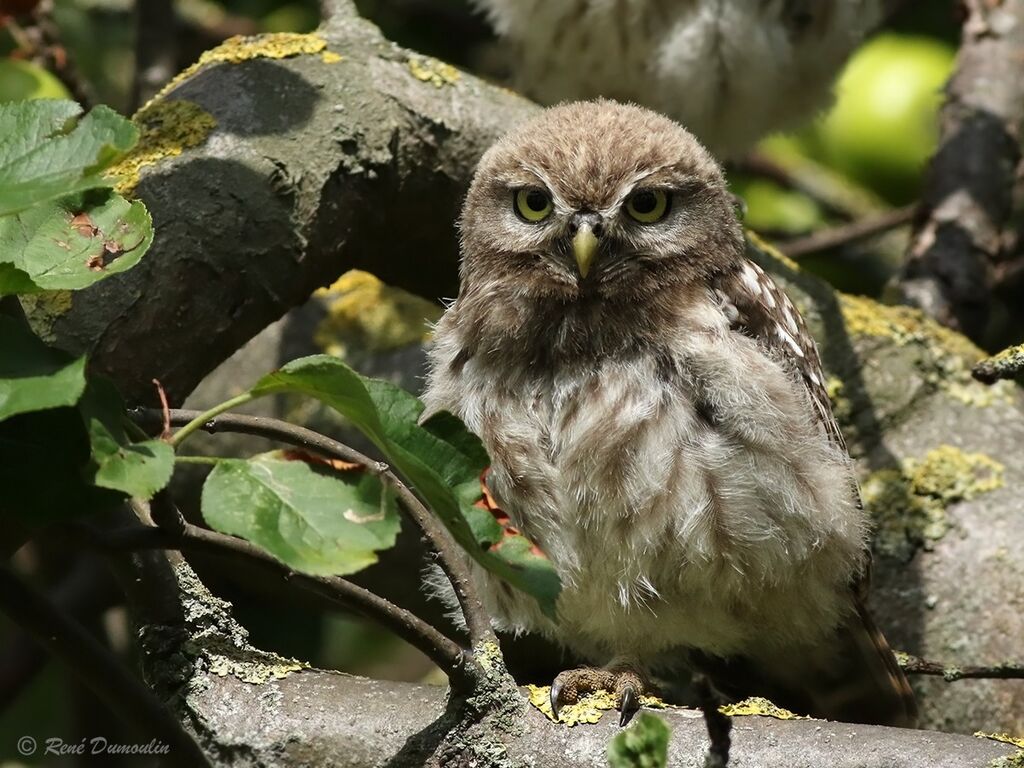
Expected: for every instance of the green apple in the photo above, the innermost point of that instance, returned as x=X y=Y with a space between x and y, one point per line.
x=883 y=127
x=21 y=80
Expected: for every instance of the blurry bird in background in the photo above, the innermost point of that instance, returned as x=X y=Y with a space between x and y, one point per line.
x=731 y=71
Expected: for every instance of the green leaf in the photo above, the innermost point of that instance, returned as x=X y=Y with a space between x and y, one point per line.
x=314 y=520
x=644 y=744
x=45 y=154
x=34 y=377
x=440 y=459
x=137 y=469
x=72 y=242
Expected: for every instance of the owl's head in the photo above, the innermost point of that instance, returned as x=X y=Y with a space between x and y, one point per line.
x=596 y=200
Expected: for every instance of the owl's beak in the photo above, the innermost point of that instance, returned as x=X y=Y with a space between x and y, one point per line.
x=584 y=246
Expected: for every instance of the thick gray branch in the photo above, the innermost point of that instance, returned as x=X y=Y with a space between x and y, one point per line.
x=313 y=168
x=330 y=720
x=968 y=201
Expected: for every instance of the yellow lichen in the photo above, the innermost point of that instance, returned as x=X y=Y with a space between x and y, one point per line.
x=1016 y=760
x=166 y=129
x=949 y=355
x=756 y=705
x=45 y=309
x=433 y=71
x=589 y=709
x=277 y=45
x=364 y=313
x=1003 y=737
x=261 y=668
x=1006 y=364
x=909 y=504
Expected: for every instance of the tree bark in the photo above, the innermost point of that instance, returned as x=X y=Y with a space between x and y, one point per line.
x=968 y=198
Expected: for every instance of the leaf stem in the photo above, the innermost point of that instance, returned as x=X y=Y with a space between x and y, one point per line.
x=200 y=418
x=211 y=460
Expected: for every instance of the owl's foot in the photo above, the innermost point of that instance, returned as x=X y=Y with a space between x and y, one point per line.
x=627 y=686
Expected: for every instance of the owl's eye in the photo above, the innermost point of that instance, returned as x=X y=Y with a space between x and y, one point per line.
x=648 y=205
x=533 y=204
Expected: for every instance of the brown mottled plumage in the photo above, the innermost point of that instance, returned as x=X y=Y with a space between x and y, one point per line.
x=655 y=413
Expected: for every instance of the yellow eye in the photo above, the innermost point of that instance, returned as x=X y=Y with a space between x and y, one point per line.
x=533 y=204
x=648 y=205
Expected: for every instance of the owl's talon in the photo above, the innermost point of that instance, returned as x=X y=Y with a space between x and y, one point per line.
x=556 y=693
x=629 y=704
x=627 y=687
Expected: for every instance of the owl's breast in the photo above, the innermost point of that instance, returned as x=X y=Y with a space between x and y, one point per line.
x=691 y=481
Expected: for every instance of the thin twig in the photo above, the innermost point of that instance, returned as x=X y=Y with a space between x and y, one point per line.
x=719 y=724
x=49 y=51
x=165 y=410
x=97 y=668
x=913 y=665
x=1008 y=364
x=442 y=650
x=449 y=558
x=846 y=234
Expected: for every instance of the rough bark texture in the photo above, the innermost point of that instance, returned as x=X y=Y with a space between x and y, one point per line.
x=968 y=199
x=249 y=708
x=315 y=167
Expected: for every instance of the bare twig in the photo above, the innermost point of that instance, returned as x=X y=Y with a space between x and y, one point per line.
x=719 y=725
x=165 y=410
x=443 y=651
x=968 y=198
x=449 y=558
x=846 y=234
x=913 y=665
x=1008 y=364
x=97 y=668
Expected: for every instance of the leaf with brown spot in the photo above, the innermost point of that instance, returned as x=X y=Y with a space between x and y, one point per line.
x=72 y=242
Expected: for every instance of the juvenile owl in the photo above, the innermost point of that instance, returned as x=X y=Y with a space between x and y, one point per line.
x=729 y=70
x=655 y=414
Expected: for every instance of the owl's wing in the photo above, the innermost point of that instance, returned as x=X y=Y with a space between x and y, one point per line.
x=758 y=308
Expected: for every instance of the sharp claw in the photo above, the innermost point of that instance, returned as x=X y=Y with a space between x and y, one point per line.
x=629 y=704
x=556 y=694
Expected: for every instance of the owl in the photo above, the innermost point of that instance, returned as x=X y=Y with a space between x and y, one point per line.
x=654 y=411
x=730 y=70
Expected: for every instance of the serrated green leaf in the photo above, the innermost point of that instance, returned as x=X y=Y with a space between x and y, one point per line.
x=644 y=744
x=33 y=376
x=44 y=154
x=439 y=459
x=138 y=469
x=313 y=520
x=72 y=242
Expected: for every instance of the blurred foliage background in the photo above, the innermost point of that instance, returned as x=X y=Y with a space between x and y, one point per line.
x=864 y=156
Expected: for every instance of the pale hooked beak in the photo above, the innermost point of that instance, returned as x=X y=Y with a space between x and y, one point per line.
x=584 y=242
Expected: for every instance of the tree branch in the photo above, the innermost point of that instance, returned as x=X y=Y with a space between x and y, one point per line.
x=968 y=197
x=847 y=234
x=441 y=650
x=913 y=665
x=97 y=668
x=447 y=553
